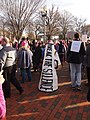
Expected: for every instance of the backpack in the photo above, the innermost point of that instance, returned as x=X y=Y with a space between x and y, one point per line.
x=61 y=48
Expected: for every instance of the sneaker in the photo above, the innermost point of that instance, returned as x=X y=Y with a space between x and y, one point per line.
x=73 y=88
x=78 y=88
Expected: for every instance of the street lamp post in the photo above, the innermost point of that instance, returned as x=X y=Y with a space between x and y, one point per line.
x=44 y=15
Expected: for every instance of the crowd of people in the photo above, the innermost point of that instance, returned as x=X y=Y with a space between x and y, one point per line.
x=24 y=55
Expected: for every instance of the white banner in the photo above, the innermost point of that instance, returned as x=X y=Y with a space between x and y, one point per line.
x=48 y=80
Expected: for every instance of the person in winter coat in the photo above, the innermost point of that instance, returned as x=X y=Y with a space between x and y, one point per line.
x=37 y=57
x=75 y=54
x=25 y=61
x=8 y=57
x=87 y=63
x=61 y=52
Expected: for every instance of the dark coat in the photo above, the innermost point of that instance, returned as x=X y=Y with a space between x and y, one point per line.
x=37 y=55
x=75 y=57
x=87 y=57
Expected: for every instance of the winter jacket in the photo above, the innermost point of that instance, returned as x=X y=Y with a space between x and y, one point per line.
x=87 y=56
x=75 y=57
x=24 y=58
x=8 y=56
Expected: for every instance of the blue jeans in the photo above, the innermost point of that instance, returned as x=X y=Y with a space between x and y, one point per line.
x=75 y=73
x=24 y=75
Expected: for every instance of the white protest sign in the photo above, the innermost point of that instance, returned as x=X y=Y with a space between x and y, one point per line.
x=75 y=46
x=84 y=38
x=48 y=80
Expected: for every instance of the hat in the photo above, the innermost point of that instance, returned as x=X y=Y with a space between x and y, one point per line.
x=24 y=43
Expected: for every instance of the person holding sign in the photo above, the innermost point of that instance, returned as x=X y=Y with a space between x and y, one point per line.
x=75 y=54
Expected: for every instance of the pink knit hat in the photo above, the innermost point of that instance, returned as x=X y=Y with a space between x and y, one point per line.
x=24 y=43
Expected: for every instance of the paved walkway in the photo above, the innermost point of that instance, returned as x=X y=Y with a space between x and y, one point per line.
x=63 y=104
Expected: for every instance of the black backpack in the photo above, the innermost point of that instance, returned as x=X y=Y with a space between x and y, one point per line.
x=61 y=48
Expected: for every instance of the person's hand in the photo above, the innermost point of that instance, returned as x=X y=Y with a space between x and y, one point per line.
x=1 y=78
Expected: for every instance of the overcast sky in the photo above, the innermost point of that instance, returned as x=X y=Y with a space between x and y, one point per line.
x=79 y=8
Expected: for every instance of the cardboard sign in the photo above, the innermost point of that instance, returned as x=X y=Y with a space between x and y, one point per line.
x=84 y=38
x=75 y=46
x=48 y=80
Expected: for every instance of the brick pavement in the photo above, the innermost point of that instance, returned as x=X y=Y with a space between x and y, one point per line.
x=63 y=104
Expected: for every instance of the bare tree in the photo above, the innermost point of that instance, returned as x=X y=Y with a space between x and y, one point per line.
x=86 y=29
x=79 y=23
x=49 y=21
x=53 y=21
x=18 y=14
x=66 y=22
x=2 y=26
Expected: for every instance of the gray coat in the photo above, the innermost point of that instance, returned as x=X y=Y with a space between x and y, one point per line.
x=24 y=58
x=8 y=56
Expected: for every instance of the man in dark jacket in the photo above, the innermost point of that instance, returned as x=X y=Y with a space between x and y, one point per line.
x=61 y=52
x=75 y=54
x=25 y=61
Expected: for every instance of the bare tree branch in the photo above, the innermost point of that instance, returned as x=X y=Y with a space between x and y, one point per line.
x=19 y=13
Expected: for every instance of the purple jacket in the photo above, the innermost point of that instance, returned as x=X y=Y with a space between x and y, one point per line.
x=2 y=104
